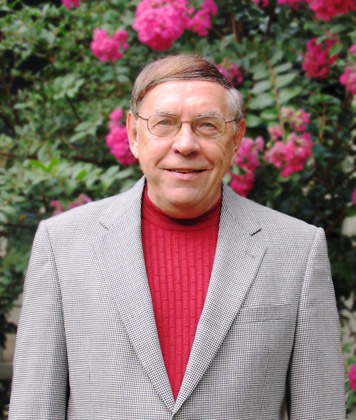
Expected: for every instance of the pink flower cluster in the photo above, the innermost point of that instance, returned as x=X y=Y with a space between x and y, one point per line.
x=105 y=48
x=324 y=9
x=352 y=373
x=117 y=139
x=68 y=4
x=353 y=49
x=160 y=22
x=264 y=2
x=275 y=132
x=231 y=71
x=348 y=78
x=327 y=9
x=317 y=61
x=297 y=119
x=248 y=160
x=59 y=208
x=200 y=22
x=291 y=156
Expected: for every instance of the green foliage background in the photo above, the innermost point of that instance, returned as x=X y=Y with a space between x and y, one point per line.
x=56 y=97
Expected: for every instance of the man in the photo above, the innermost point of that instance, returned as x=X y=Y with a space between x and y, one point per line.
x=178 y=299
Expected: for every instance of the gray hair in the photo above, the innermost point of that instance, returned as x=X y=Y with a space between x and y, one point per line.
x=183 y=67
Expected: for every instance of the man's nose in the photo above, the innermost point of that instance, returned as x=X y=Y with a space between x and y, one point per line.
x=185 y=141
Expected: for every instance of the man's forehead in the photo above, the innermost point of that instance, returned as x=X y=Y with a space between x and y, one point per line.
x=210 y=98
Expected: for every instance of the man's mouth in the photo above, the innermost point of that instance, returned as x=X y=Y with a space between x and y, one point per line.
x=185 y=171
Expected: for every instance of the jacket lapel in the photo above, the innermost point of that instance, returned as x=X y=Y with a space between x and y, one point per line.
x=119 y=250
x=237 y=260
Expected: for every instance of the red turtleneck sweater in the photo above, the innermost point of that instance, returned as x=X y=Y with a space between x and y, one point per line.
x=179 y=257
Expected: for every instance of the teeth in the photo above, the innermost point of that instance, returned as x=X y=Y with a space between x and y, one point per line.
x=183 y=171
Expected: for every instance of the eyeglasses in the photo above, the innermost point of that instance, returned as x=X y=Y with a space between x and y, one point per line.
x=208 y=127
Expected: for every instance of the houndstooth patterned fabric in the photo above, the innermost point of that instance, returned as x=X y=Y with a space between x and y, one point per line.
x=87 y=345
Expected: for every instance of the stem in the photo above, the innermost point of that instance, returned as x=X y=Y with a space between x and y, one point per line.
x=233 y=22
x=16 y=225
x=336 y=222
x=7 y=122
x=73 y=108
x=281 y=122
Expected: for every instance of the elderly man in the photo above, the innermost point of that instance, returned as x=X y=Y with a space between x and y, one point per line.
x=178 y=299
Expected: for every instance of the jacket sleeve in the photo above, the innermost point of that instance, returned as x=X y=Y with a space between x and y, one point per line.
x=316 y=375
x=39 y=388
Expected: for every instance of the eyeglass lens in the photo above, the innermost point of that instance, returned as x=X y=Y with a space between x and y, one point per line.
x=169 y=125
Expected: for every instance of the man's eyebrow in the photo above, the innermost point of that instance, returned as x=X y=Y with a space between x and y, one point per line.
x=210 y=113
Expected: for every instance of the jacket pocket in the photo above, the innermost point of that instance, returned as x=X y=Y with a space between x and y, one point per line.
x=263 y=313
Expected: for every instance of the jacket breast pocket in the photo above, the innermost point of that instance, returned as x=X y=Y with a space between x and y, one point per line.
x=263 y=313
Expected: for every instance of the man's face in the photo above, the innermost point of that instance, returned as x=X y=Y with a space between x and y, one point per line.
x=184 y=172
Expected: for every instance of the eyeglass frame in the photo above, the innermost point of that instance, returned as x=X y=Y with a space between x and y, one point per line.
x=188 y=121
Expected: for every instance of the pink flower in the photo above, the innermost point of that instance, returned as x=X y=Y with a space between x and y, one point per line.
x=326 y=9
x=69 y=3
x=117 y=139
x=354 y=200
x=82 y=199
x=264 y=2
x=275 y=132
x=287 y=113
x=348 y=78
x=352 y=373
x=106 y=48
x=247 y=157
x=242 y=184
x=231 y=71
x=296 y=152
x=115 y=118
x=290 y=157
x=160 y=22
x=299 y=120
x=276 y=155
x=317 y=61
x=200 y=22
x=353 y=49
x=58 y=207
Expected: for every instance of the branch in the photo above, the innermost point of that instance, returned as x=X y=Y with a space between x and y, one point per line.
x=16 y=225
x=233 y=22
x=336 y=222
x=73 y=108
x=281 y=122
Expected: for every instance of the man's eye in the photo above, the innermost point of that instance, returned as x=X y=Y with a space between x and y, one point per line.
x=207 y=125
x=165 y=122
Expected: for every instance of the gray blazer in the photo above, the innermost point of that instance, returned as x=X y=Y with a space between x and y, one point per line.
x=87 y=345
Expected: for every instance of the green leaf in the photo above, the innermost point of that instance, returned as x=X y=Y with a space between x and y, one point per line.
x=262 y=86
x=276 y=58
x=39 y=165
x=252 y=121
x=337 y=29
x=285 y=79
x=335 y=49
x=285 y=95
x=260 y=71
x=269 y=115
x=261 y=102
x=282 y=68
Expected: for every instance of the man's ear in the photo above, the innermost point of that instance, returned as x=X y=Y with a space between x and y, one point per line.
x=132 y=133
x=238 y=136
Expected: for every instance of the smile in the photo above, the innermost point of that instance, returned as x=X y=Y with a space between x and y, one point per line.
x=185 y=171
